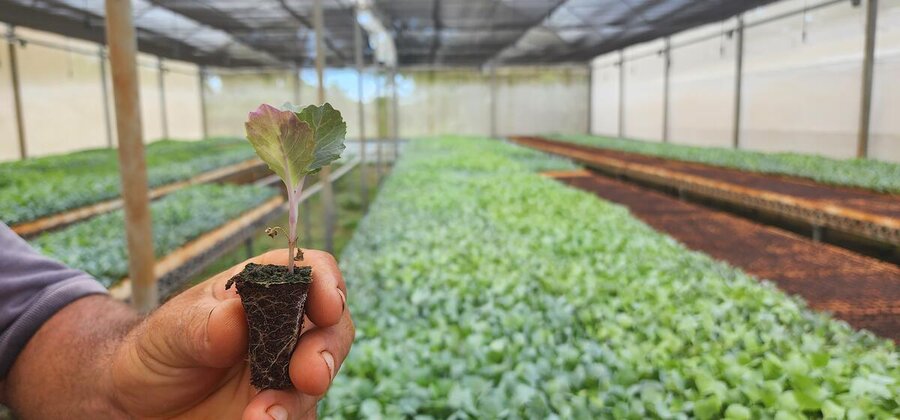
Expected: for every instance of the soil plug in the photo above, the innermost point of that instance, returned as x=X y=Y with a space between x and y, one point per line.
x=294 y=145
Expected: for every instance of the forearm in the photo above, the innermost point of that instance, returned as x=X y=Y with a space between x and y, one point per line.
x=64 y=370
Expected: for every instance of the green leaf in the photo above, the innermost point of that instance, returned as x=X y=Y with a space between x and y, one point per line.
x=329 y=130
x=831 y=410
x=283 y=141
x=707 y=408
x=737 y=412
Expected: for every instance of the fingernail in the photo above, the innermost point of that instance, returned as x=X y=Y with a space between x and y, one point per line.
x=343 y=300
x=329 y=360
x=277 y=412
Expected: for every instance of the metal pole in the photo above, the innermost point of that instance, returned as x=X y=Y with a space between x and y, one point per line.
x=105 y=92
x=325 y=175
x=493 y=100
x=357 y=43
x=162 y=98
x=621 y=93
x=248 y=247
x=378 y=114
x=203 y=117
x=132 y=168
x=667 y=69
x=298 y=86
x=590 y=98
x=738 y=81
x=865 y=106
x=17 y=92
x=395 y=114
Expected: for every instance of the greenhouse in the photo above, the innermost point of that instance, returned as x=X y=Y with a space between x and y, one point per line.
x=428 y=209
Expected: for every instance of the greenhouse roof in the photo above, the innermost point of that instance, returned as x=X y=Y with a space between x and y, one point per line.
x=236 y=33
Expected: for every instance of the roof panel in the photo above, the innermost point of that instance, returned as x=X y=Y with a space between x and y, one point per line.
x=435 y=32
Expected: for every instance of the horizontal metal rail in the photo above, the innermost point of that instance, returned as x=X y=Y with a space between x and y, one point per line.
x=56 y=221
x=832 y=216
x=176 y=268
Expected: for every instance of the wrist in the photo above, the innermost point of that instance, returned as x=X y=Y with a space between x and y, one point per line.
x=65 y=369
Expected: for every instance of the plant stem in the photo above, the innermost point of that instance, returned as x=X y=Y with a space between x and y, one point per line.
x=294 y=193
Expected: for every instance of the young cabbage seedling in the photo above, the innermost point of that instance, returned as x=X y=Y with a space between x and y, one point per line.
x=294 y=145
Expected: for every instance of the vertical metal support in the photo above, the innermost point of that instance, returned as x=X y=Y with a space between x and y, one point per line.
x=248 y=247
x=361 y=111
x=493 y=100
x=325 y=174
x=298 y=85
x=378 y=115
x=107 y=121
x=17 y=92
x=203 y=117
x=621 y=93
x=738 y=81
x=817 y=233
x=865 y=106
x=590 y=98
x=667 y=69
x=395 y=115
x=132 y=167
x=163 y=115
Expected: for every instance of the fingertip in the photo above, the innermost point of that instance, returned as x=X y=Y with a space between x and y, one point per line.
x=310 y=370
x=273 y=404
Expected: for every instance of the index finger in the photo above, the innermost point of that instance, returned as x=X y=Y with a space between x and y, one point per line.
x=327 y=293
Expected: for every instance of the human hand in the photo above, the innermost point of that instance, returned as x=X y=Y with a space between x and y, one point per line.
x=188 y=359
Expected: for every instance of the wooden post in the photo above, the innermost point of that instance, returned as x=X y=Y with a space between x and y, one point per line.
x=738 y=81
x=357 y=43
x=865 y=106
x=164 y=119
x=621 y=94
x=17 y=92
x=107 y=121
x=132 y=168
x=203 y=118
x=667 y=69
x=325 y=175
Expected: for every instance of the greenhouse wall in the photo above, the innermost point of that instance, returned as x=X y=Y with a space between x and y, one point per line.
x=55 y=70
x=800 y=87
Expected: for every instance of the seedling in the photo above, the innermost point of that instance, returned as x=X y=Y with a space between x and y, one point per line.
x=294 y=145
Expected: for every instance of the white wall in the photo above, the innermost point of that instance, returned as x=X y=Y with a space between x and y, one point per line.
x=62 y=97
x=800 y=91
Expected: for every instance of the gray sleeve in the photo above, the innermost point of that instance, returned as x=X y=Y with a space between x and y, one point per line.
x=32 y=289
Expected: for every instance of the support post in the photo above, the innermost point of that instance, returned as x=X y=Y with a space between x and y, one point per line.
x=590 y=98
x=865 y=106
x=120 y=35
x=325 y=174
x=379 y=158
x=493 y=100
x=203 y=118
x=621 y=94
x=738 y=81
x=298 y=85
x=667 y=69
x=163 y=117
x=395 y=115
x=357 y=43
x=17 y=92
x=248 y=247
x=107 y=122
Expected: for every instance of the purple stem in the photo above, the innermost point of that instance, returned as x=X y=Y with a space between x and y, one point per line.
x=294 y=204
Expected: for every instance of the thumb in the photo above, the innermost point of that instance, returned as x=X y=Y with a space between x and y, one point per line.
x=196 y=329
